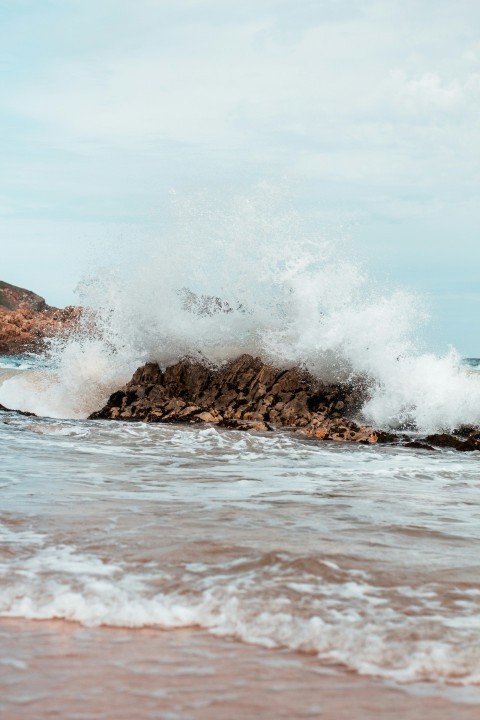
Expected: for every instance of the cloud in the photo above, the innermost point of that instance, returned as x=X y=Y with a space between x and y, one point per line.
x=429 y=92
x=267 y=78
x=371 y=108
x=213 y=87
x=373 y=96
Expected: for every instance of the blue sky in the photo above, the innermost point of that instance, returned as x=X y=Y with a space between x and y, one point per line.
x=368 y=109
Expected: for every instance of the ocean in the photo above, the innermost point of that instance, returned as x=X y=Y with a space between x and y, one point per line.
x=175 y=572
x=154 y=571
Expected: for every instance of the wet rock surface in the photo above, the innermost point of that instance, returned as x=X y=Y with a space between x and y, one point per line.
x=468 y=443
x=248 y=394
x=245 y=394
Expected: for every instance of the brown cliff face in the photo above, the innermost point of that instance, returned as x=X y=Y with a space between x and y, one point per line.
x=26 y=320
x=245 y=394
x=16 y=298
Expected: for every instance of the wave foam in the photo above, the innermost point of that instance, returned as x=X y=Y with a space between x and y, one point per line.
x=248 y=278
x=342 y=619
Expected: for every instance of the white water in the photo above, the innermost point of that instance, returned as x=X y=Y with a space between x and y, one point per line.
x=367 y=557
x=292 y=298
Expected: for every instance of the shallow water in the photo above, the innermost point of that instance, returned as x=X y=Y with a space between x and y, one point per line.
x=361 y=559
x=189 y=674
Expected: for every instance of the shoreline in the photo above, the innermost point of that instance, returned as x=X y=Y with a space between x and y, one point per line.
x=190 y=673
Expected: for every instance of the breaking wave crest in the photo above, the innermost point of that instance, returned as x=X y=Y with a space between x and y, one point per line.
x=249 y=278
x=305 y=604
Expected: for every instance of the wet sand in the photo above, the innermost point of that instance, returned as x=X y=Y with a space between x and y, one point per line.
x=55 y=669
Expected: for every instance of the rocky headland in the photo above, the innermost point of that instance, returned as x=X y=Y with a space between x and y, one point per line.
x=248 y=394
x=26 y=321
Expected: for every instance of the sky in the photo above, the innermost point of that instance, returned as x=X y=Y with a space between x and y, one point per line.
x=368 y=109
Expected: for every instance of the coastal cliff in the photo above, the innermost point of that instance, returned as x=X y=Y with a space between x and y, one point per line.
x=26 y=320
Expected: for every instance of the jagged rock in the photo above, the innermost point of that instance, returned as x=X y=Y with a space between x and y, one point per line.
x=245 y=394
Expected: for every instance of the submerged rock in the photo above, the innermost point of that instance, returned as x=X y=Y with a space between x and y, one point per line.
x=418 y=445
x=245 y=394
x=453 y=442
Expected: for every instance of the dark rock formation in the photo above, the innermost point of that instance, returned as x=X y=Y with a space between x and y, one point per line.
x=17 y=412
x=245 y=394
x=418 y=445
x=26 y=320
x=464 y=439
x=453 y=442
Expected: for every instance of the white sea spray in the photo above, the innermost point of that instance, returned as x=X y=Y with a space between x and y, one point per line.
x=248 y=277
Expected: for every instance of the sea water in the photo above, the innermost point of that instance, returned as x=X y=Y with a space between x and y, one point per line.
x=199 y=572
x=365 y=558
